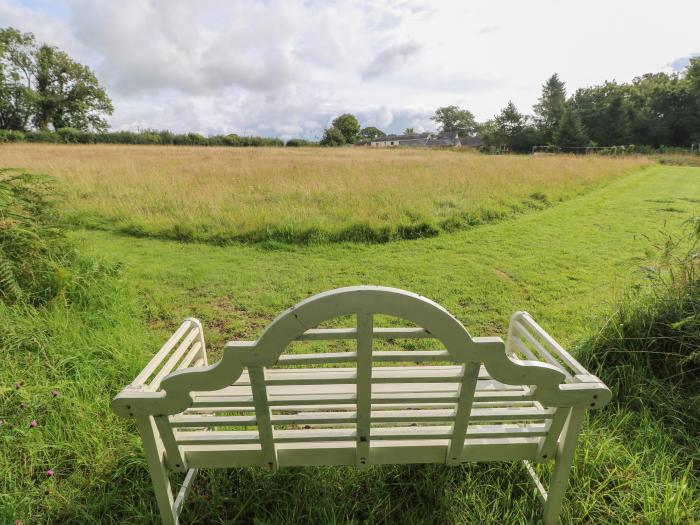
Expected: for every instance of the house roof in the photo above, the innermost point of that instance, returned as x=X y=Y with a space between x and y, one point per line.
x=410 y=136
x=448 y=135
x=443 y=138
x=474 y=142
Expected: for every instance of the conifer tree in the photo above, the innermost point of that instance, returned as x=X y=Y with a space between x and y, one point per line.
x=569 y=132
x=550 y=106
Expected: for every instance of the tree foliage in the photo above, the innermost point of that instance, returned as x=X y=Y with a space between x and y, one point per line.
x=371 y=132
x=550 y=106
x=333 y=137
x=452 y=118
x=348 y=126
x=656 y=109
x=42 y=87
x=569 y=132
x=510 y=130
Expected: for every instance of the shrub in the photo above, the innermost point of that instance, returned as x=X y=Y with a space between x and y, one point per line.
x=10 y=135
x=75 y=136
x=649 y=351
x=332 y=137
x=37 y=261
x=298 y=143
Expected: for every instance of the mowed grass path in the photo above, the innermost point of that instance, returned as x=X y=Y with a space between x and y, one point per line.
x=563 y=264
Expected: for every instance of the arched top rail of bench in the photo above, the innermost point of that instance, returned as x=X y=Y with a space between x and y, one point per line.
x=551 y=385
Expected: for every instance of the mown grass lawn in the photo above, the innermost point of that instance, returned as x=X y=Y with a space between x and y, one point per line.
x=562 y=264
x=566 y=265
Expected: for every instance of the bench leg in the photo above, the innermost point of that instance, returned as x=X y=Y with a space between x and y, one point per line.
x=155 y=457
x=562 y=466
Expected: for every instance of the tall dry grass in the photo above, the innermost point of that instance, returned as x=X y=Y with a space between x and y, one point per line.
x=303 y=195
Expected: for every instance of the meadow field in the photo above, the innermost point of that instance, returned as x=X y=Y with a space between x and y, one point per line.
x=572 y=240
x=303 y=195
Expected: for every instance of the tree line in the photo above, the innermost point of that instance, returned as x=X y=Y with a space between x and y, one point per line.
x=654 y=110
x=346 y=129
x=145 y=137
x=46 y=96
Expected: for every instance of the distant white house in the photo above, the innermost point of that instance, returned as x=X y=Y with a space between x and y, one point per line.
x=442 y=139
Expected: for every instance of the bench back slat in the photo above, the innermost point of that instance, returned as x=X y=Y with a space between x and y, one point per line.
x=333 y=334
x=467 y=389
x=363 y=393
x=413 y=356
x=263 y=416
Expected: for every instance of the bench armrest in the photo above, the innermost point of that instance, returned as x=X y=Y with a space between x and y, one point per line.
x=529 y=339
x=185 y=348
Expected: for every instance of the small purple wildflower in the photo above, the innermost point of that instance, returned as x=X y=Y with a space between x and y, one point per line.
x=19 y=385
x=50 y=473
x=33 y=424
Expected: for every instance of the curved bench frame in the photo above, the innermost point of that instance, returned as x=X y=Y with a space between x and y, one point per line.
x=171 y=391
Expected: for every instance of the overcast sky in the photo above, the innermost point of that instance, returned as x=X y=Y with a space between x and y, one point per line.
x=284 y=68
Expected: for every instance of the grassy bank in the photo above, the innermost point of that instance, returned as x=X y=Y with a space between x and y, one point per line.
x=567 y=265
x=303 y=195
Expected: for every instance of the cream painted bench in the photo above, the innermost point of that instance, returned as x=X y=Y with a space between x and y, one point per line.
x=520 y=400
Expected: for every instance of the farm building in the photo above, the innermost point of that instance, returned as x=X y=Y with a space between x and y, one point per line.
x=430 y=139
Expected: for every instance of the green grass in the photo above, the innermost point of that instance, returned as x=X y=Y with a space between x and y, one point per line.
x=305 y=195
x=566 y=265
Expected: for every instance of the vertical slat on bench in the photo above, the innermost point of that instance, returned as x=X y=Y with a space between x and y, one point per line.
x=262 y=415
x=464 y=408
x=365 y=327
x=155 y=457
x=548 y=444
x=172 y=451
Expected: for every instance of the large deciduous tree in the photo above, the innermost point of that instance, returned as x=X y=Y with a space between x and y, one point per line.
x=16 y=96
x=452 y=118
x=371 y=132
x=332 y=137
x=692 y=77
x=40 y=85
x=348 y=126
x=550 y=106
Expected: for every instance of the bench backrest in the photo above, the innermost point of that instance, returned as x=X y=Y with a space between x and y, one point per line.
x=258 y=398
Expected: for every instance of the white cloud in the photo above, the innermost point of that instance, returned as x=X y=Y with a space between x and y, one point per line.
x=391 y=59
x=286 y=68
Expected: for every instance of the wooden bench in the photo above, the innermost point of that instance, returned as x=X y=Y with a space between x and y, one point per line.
x=262 y=406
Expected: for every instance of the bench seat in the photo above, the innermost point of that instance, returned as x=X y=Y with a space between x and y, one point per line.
x=335 y=453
